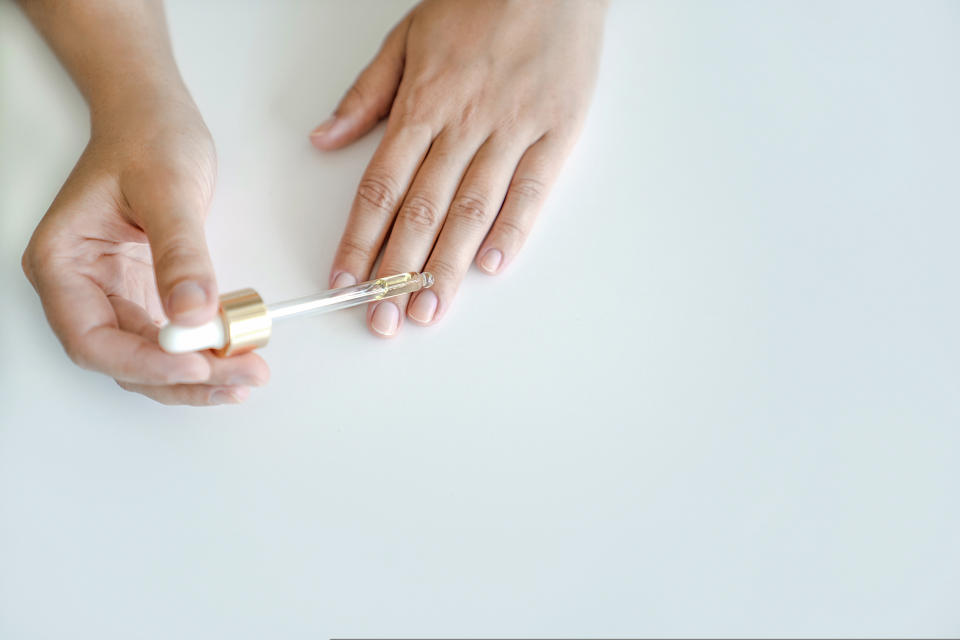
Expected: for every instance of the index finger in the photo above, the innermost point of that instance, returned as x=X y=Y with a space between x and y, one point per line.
x=84 y=320
x=379 y=194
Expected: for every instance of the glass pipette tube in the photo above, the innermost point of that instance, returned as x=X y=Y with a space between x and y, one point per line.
x=360 y=293
x=245 y=322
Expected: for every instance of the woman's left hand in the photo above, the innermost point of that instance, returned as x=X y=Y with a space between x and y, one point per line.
x=485 y=99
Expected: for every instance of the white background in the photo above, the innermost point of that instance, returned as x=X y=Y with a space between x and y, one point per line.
x=716 y=395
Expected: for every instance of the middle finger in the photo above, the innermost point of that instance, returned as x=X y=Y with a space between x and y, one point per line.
x=419 y=221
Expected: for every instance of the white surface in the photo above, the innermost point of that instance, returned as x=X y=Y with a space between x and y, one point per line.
x=717 y=394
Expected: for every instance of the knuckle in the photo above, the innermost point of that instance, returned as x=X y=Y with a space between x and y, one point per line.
x=511 y=122
x=26 y=264
x=468 y=114
x=442 y=270
x=414 y=101
x=420 y=212
x=176 y=252
x=529 y=188
x=512 y=228
x=378 y=192
x=418 y=109
x=77 y=352
x=417 y=122
x=354 y=249
x=570 y=120
x=472 y=207
x=41 y=246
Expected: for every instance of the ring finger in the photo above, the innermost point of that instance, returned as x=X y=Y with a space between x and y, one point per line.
x=472 y=212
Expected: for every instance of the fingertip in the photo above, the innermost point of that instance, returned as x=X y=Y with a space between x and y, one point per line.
x=384 y=319
x=324 y=127
x=257 y=372
x=490 y=261
x=423 y=308
x=263 y=372
x=331 y=134
x=321 y=142
x=342 y=279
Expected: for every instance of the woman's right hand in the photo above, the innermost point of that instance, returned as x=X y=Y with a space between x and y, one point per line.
x=122 y=246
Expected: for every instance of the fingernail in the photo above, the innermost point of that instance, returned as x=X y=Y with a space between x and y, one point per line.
x=343 y=279
x=423 y=307
x=235 y=395
x=331 y=126
x=385 y=319
x=186 y=297
x=490 y=261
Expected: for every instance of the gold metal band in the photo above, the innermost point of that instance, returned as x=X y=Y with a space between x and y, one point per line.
x=245 y=320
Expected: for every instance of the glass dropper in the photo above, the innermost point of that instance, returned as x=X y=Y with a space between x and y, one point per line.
x=353 y=295
x=245 y=322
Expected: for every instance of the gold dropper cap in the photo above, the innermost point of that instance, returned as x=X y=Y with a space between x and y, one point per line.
x=246 y=322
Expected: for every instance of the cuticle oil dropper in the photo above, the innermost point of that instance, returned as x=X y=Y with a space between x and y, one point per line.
x=245 y=321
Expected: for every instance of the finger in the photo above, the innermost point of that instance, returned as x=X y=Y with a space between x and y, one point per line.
x=419 y=221
x=248 y=369
x=378 y=196
x=472 y=211
x=196 y=395
x=86 y=324
x=185 y=280
x=536 y=173
x=369 y=99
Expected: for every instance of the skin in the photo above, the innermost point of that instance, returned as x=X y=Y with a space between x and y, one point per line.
x=484 y=100
x=122 y=245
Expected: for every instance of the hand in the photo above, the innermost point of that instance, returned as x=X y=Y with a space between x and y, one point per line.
x=144 y=182
x=485 y=99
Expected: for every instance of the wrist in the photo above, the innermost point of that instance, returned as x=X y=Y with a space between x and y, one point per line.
x=125 y=105
x=151 y=131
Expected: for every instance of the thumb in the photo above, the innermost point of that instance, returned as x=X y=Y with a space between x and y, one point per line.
x=370 y=97
x=185 y=280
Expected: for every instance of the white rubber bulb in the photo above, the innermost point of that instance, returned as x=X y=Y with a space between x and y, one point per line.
x=177 y=339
